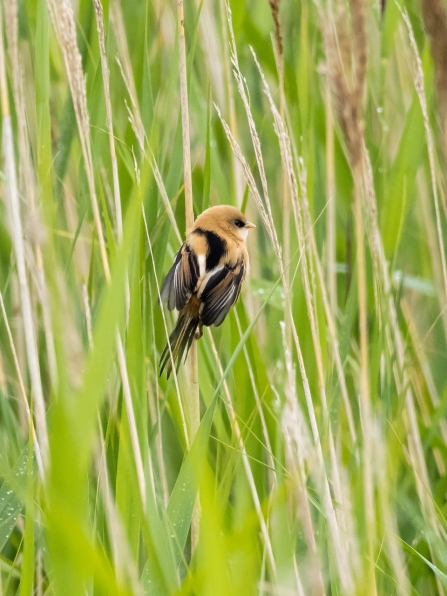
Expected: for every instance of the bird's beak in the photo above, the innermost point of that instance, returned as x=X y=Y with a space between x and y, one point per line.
x=249 y=225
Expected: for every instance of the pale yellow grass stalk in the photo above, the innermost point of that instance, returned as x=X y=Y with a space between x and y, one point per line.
x=343 y=565
x=226 y=60
x=279 y=55
x=423 y=366
x=364 y=388
x=152 y=387
x=245 y=460
x=22 y=389
x=164 y=197
x=384 y=480
x=397 y=347
x=347 y=73
x=106 y=81
x=64 y=25
x=194 y=394
x=418 y=76
x=298 y=451
x=27 y=183
x=124 y=563
x=308 y=240
x=356 y=146
x=62 y=17
x=331 y=257
x=19 y=249
x=266 y=214
x=254 y=388
x=304 y=230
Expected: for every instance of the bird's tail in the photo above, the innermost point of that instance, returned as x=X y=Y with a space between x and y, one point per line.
x=179 y=341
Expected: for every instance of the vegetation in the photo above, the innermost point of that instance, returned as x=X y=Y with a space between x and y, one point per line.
x=305 y=452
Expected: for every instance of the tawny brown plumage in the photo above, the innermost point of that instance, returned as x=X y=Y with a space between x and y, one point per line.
x=206 y=277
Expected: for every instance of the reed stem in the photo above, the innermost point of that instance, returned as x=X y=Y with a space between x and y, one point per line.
x=193 y=403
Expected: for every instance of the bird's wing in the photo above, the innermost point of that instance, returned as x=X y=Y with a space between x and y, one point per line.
x=221 y=291
x=181 y=281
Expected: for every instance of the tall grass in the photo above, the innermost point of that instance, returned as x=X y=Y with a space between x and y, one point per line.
x=304 y=452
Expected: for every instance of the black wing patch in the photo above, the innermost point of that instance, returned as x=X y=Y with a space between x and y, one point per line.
x=217 y=247
x=220 y=293
x=181 y=281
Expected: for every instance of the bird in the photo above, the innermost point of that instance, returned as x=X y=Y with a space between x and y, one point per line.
x=206 y=278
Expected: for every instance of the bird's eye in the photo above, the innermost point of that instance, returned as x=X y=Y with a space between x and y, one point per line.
x=238 y=223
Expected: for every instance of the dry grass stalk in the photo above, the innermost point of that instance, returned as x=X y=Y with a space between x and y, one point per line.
x=381 y=275
x=237 y=170
x=164 y=197
x=343 y=566
x=268 y=445
x=106 y=81
x=307 y=243
x=62 y=17
x=331 y=256
x=425 y=199
x=245 y=460
x=64 y=26
x=249 y=178
x=189 y=208
x=347 y=73
x=127 y=395
x=274 y=6
x=19 y=249
x=194 y=394
x=298 y=449
x=134 y=112
x=392 y=546
x=395 y=338
x=27 y=183
x=346 y=56
x=306 y=238
x=124 y=63
x=397 y=349
x=364 y=387
x=152 y=388
x=266 y=214
x=434 y=13
x=331 y=272
x=117 y=22
x=88 y=315
x=279 y=55
x=420 y=89
x=124 y=563
x=22 y=388
x=254 y=136
x=423 y=384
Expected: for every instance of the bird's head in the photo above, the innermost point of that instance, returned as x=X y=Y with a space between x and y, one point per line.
x=225 y=220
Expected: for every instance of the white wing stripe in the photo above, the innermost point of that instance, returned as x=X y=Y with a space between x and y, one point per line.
x=202 y=283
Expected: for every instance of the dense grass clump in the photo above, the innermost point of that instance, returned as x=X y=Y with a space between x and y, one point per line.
x=302 y=449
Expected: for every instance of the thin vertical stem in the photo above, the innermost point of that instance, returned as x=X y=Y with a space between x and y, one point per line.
x=364 y=393
x=330 y=198
x=237 y=172
x=106 y=82
x=22 y=388
x=193 y=404
x=19 y=249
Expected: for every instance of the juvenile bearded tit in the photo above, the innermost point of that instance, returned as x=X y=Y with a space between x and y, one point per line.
x=206 y=277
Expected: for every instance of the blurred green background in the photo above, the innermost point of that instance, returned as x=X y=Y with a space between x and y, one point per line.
x=319 y=466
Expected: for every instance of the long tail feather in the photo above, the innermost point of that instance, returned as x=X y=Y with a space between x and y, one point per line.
x=180 y=341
